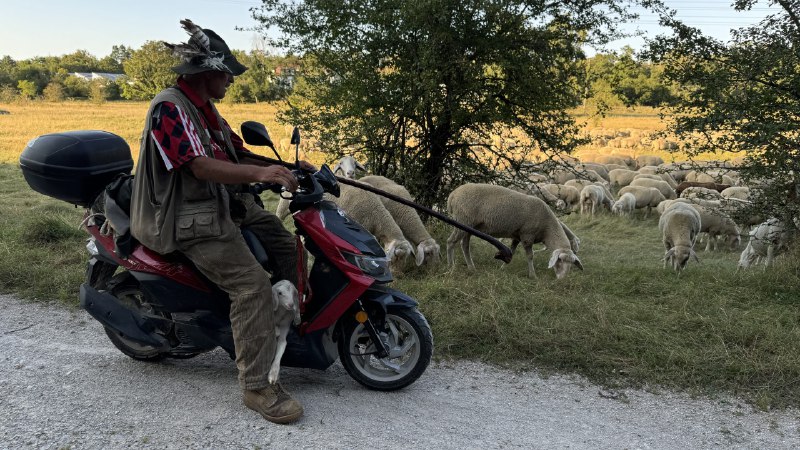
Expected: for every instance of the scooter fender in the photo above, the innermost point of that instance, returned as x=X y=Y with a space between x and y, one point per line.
x=108 y=310
x=386 y=296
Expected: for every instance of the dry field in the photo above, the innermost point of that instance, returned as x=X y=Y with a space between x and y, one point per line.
x=30 y=119
x=623 y=132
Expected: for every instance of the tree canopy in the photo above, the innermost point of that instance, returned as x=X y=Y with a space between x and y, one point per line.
x=424 y=89
x=742 y=96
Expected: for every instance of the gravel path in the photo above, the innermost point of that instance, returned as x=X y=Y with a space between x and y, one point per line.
x=63 y=385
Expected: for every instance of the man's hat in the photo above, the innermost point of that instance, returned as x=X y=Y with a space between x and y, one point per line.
x=204 y=51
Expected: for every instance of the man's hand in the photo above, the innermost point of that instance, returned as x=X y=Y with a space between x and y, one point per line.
x=307 y=166
x=278 y=174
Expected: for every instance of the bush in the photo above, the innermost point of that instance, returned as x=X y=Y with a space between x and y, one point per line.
x=54 y=92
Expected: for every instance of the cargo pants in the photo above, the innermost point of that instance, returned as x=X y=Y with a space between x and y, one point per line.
x=229 y=263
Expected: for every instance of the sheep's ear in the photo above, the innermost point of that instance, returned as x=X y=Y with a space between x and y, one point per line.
x=668 y=254
x=578 y=263
x=360 y=166
x=390 y=251
x=420 y=254
x=337 y=167
x=694 y=255
x=553 y=259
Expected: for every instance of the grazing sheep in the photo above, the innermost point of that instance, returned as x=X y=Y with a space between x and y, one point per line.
x=616 y=159
x=661 y=185
x=625 y=205
x=621 y=177
x=599 y=169
x=648 y=160
x=367 y=209
x=701 y=193
x=713 y=186
x=561 y=176
x=716 y=224
x=667 y=203
x=347 y=167
x=504 y=213
x=767 y=240
x=544 y=194
x=570 y=195
x=610 y=167
x=679 y=225
x=646 y=197
x=427 y=250
x=594 y=197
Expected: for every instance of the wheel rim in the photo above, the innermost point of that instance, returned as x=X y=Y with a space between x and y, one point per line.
x=404 y=350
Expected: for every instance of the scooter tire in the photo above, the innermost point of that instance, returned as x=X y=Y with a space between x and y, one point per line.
x=413 y=330
x=125 y=287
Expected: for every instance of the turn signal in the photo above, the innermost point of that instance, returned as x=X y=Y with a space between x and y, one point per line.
x=361 y=317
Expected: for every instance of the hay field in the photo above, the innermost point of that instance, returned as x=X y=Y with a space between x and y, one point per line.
x=30 y=119
x=623 y=132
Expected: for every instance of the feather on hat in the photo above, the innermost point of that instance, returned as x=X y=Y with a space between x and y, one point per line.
x=204 y=51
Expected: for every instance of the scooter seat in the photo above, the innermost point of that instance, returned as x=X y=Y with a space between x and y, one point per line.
x=255 y=247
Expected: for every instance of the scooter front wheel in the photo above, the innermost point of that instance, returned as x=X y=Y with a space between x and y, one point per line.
x=410 y=342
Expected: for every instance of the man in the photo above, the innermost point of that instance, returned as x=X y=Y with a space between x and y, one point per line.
x=188 y=197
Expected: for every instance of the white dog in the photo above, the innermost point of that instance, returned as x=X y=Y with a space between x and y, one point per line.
x=286 y=307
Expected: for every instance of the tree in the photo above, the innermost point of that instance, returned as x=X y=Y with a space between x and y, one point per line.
x=742 y=97
x=438 y=92
x=79 y=61
x=54 y=92
x=27 y=89
x=149 y=71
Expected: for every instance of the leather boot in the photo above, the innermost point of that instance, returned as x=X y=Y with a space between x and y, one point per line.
x=274 y=404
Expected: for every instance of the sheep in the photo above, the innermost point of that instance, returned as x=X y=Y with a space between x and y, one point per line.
x=687 y=184
x=661 y=185
x=679 y=226
x=502 y=212
x=701 y=193
x=610 y=167
x=347 y=167
x=600 y=169
x=739 y=192
x=716 y=224
x=648 y=160
x=767 y=240
x=544 y=194
x=367 y=209
x=427 y=249
x=570 y=195
x=656 y=175
x=625 y=205
x=667 y=203
x=594 y=196
x=621 y=177
x=646 y=197
x=617 y=159
x=574 y=241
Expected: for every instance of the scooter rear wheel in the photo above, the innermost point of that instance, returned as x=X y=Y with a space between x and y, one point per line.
x=127 y=290
x=410 y=342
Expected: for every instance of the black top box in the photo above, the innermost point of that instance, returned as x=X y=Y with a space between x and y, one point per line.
x=75 y=166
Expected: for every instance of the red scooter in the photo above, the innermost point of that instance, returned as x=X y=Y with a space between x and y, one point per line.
x=154 y=306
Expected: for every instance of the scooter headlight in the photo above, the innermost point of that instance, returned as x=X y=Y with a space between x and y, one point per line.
x=376 y=266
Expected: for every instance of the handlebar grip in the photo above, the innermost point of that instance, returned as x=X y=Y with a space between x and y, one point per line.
x=261 y=187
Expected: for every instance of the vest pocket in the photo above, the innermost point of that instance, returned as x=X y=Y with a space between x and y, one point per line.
x=197 y=225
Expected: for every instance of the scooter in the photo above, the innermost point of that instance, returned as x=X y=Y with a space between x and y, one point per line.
x=160 y=306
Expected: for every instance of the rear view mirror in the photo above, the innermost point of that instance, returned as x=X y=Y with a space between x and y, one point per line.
x=255 y=133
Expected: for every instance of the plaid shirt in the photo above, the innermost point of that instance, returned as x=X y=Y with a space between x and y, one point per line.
x=178 y=141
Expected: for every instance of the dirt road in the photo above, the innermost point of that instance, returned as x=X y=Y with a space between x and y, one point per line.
x=63 y=385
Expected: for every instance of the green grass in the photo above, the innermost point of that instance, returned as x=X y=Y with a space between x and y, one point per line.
x=623 y=321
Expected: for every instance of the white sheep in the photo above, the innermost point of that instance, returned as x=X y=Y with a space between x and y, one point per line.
x=621 y=177
x=544 y=194
x=504 y=213
x=625 y=205
x=679 y=226
x=367 y=209
x=767 y=240
x=716 y=224
x=568 y=194
x=646 y=197
x=347 y=167
x=427 y=250
x=663 y=187
x=700 y=192
x=594 y=197
x=574 y=241
x=739 y=192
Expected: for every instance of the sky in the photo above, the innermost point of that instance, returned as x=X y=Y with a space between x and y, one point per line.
x=31 y=28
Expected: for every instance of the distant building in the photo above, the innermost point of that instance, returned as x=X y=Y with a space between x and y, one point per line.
x=91 y=76
x=285 y=76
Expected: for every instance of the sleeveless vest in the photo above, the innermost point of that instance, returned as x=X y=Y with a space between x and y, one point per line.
x=172 y=209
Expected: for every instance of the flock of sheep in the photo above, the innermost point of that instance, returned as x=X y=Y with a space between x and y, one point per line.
x=691 y=204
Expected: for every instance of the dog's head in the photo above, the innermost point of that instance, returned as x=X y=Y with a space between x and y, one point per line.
x=284 y=295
